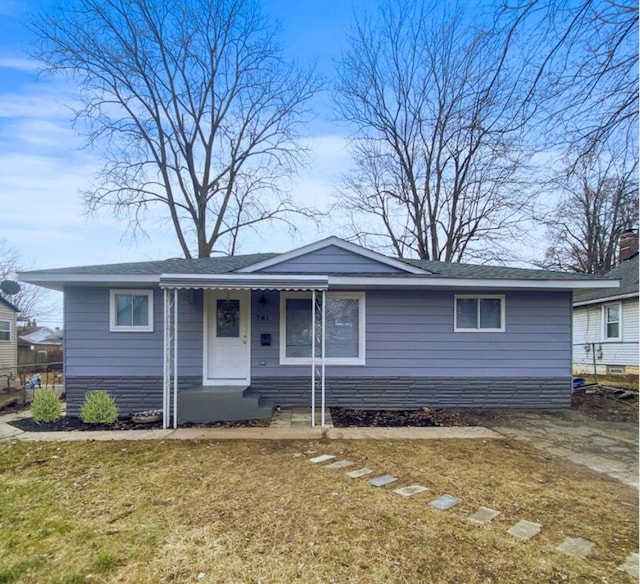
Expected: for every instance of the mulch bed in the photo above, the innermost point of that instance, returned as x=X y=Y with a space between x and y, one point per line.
x=65 y=424
x=344 y=418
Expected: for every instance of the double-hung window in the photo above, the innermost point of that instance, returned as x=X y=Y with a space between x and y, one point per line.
x=611 y=322
x=5 y=330
x=479 y=313
x=131 y=311
x=344 y=328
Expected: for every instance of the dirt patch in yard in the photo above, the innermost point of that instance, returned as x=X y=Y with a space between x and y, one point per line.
x=605 y=407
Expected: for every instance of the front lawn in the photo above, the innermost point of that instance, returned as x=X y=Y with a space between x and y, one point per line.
x=150 y=512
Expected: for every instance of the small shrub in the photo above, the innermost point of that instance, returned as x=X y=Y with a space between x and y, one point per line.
x=99 y=408
x=46 y=406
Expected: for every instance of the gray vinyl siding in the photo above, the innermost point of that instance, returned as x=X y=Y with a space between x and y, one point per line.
x=413 y=355
x=410 y=334
x=132 y=394
x=92 y=350
x=411 y=393
x=331 y=260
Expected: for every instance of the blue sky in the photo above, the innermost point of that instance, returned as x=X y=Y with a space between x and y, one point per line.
x=43 y=168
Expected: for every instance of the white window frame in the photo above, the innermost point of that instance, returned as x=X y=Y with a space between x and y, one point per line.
x=359 y=360
x=477 y=329
x=605 y=313
x=10 y=330
x=114 y=328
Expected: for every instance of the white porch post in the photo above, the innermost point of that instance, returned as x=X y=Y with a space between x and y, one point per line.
x=175 y=358
x=313 y=358
x=322 y=318
x=165 y=363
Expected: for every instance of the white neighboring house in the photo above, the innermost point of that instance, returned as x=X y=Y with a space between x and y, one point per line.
x=8 y=340
x=605 y=325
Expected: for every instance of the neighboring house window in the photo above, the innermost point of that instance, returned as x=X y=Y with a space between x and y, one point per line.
x=479 y=313
x=611 y=314
x=344 y=328
x=131 y=310
x=5 y=330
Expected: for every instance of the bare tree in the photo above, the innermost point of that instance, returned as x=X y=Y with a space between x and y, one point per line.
x=194 y=106
x=438 y=143
x=599 y=201
x=585 y=58
x=31 y=301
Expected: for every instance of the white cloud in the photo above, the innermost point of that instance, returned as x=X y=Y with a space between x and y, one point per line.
x=19 y=63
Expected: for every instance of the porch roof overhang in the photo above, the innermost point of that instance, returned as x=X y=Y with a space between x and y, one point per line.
x=244 y=282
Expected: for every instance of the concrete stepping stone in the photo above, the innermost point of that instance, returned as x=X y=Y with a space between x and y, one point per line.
x=354 y=474
x=576 y=546
x=445 y=502
x=322 y=458
x=630 y=565
x=524 y=529
x=383 y=480
x=482 y=515
x=340 y=464
x=411 y=490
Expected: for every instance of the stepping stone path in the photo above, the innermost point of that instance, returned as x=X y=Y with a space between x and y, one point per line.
x=410 y=491
x=354 y=474
x=483 y=515
x=340 y=464
x=322 y=458
x=445 y=502
x=630 y=565
x=524 y=529
x=576 y=546
x=383 y=480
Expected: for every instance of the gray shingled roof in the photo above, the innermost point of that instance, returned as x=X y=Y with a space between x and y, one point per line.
x=626 y=272
x=457 y=270
x=227 y=264
x=214 y=265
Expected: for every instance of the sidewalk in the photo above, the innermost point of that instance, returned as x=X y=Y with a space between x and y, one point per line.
x=283 y=427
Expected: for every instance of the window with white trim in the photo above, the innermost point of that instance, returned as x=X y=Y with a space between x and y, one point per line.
x=611 y=322
x=5 y=330
x=479 y=313
x=344 y=328
x=131 y=311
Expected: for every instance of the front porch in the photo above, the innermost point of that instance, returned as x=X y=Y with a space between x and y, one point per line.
x=228 y=307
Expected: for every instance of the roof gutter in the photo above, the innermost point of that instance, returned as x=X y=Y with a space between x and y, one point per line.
x=434 y=282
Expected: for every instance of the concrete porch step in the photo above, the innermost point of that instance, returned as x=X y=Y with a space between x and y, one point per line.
x=204 y=404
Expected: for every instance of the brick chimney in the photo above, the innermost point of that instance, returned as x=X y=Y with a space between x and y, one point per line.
x=628 y=244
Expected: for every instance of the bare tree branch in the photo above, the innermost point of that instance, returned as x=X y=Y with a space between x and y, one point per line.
x=599 y=201
x=190 y=103
x=438 y=144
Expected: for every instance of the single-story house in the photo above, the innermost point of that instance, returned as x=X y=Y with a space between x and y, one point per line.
x=605 y=323
x=330 y=323
x=8 y=342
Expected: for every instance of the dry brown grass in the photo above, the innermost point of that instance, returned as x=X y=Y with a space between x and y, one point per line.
x=149 y=512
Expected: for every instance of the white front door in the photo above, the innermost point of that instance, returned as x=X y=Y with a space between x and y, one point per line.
x=227 y=338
